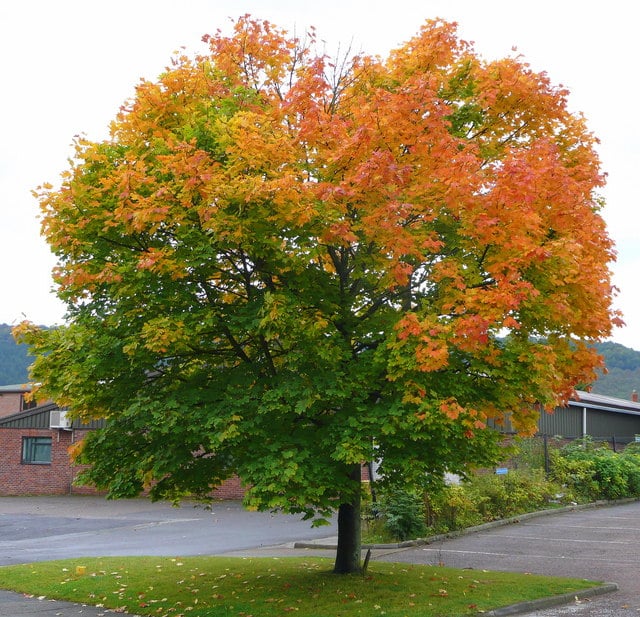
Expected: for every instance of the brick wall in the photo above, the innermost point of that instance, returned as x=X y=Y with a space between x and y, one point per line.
x=229 y=489
x=232 y=488
x=57 y=478
x=79 y=435
x=17 y=478
x=10 y=403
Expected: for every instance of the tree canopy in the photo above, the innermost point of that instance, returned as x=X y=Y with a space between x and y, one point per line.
x=282 y=265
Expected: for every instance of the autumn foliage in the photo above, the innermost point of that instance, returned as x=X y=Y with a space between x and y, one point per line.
x=282 y=265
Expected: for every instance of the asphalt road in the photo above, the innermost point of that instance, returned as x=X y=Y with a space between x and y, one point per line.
x=45 y=528
x=601 y=544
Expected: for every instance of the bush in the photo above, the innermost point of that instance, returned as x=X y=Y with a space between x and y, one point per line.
x=489 y=497
x=517 y=492
x=581 y=471
x=611 y=475
x=576 y=476
x=632 y=448
x=452 y=508
x=593 y=471
x=631 y=457
x=402 y=513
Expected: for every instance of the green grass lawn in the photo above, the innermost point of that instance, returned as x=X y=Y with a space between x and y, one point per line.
x=270 y=587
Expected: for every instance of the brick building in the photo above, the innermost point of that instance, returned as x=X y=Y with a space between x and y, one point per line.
x=34 y=452
x=34 y=458
x=34 y=442
x=14 y=398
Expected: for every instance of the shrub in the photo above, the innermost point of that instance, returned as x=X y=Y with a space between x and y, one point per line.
x=576 y=476
x=581 y=471
x=611 y=475
x=516 y=492
x=593 y=471
x=631 y=457
x=453 y=508
x=632 y=448
x=402 y=513
x=488 y=497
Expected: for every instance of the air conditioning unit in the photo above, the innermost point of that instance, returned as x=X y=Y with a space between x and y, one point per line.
x=58 y=419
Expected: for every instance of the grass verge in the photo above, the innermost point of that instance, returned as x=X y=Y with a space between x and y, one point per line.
x=271 y=587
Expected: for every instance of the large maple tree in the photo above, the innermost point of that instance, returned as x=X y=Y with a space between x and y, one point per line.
x=282 y=266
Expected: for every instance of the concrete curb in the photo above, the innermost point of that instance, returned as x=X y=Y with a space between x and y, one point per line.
x=513 y=609
x=551 y=601
x=469 y=530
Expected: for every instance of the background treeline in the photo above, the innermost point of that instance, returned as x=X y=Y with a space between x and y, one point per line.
x=621 y=378
x=14 y=359
x=623 y=371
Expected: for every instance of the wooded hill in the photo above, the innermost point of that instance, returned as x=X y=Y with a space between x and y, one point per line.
x=623 y=371
x=14 y=359
x=623 y=366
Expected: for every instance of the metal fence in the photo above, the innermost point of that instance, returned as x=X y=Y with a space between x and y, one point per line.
x=535 y=452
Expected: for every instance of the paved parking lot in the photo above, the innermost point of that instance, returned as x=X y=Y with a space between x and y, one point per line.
x=44 y=528
x=596 y=543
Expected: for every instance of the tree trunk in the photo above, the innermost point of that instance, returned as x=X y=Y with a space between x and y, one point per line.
x=349 y=532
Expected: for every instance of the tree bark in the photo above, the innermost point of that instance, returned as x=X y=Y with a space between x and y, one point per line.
x=349 y=548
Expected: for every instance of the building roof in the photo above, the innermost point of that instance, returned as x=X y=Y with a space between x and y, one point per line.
x=606 y=403
x=21 y=387
x=40 y=416
x=36 y=417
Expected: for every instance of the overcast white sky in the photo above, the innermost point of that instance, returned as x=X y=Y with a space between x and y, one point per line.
x=68 y=65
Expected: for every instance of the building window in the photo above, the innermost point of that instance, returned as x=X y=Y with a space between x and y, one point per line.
x=36 y=450
x=27 y=404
